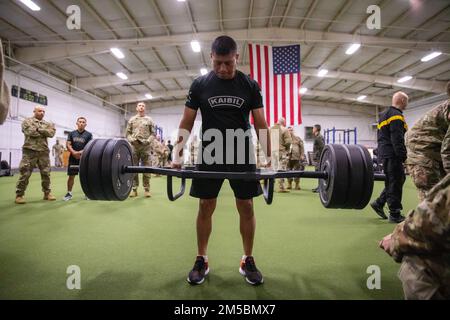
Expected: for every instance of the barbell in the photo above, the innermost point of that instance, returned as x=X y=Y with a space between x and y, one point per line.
x=345 y=174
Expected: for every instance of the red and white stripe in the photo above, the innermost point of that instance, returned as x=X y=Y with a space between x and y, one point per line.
x=281 y=93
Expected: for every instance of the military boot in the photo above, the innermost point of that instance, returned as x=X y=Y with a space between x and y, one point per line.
x=48 y=196
x=147 y=194
x=133 y=193
x=297 y=186
x=20 y=200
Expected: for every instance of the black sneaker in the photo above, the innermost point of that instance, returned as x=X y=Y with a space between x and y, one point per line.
x=199 y=271
x=396 y=218
x=68 y=196
x=378 y=209
x=250 y=272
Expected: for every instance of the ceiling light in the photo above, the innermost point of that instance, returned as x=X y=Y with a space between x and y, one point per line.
x=181 y=0
x=303 y=90
x=148 y=96
x=203 y=71
x=322 y=72
x=195 y=45
x=122 y=75
x=353 y=48
x=119 y=54
x=430 y=56
x=30 y=4
x=404 y=79
x=361 y=97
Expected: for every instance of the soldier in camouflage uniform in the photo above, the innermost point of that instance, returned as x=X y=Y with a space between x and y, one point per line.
x=193 y=149
x=422 y=244
x=57 y=152
x=428 y=147
x=318 y=146
x=165 y=156
x=296 y=158
x=140 y=134
x=281 y=142
x=35 y=152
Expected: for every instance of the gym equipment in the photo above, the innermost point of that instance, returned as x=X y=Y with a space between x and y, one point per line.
x=346 y=133
x=5 y=167
x=346 y=174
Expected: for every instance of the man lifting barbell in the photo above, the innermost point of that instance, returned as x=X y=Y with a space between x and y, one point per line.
x=225 y=98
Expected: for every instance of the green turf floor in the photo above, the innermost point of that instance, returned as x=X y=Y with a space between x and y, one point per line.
x=144 y=248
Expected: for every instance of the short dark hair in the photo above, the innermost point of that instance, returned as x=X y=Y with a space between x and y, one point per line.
x=81 y=118
x=224 y=45
x=317 y=126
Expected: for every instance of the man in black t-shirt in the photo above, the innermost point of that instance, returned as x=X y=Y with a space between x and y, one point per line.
x=225 y=97
x=76 y=142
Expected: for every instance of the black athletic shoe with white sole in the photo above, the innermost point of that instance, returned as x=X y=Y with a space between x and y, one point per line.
x=199 y=271
x=250 y=272
x=378 y=209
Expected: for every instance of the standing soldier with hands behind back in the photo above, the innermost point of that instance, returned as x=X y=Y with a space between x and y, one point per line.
x=296 y=156
x=140 y=134
x=35 y=152
x=281 y=142
x=318 y=146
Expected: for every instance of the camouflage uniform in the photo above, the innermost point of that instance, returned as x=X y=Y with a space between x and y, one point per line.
x=281 y=142
x=422 y=244
x=35 y=153
x=296 y=154
x=57 y=151
x=140 y=134
x=165 y=157
x=428 y=146
x=193 y=149
x=318 y=146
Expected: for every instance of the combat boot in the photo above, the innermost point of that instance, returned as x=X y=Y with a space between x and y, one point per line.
x=48 y=196
x=133 y=193
x=147 y=194
x=289 y=186
x=20 y=200
x=297 y=186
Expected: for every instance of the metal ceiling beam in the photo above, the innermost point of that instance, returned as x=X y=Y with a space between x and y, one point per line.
x=417 y=84
x=308 y=14
x=81 y=48
x=288 y=7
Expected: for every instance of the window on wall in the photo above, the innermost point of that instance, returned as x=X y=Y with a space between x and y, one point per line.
x=29 y=95
x=308 y=133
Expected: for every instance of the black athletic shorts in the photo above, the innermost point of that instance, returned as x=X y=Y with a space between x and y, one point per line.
x=210 y=188
x=72 y=162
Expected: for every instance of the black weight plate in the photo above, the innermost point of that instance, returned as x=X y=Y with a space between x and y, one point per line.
x=333 y=190
x=83 y=169
x=357 y=177
x=117 y=184
x=94 y=170
x=368 y=178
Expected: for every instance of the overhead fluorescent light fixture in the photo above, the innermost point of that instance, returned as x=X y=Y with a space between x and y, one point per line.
x=117 y=53
x=148 y=96
x=303 y=90
x=353 y=48
x=361 y=97
x=430 y=56
x=404 y=79
x=322 y=72
x=203 y=71
x=181 y=0
x=30 y=4
x=122 y=75
x=195 y=45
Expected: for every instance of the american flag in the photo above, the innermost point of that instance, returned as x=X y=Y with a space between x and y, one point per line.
x=277 y=70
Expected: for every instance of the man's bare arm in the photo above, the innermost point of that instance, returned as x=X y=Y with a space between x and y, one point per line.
x=184 y=130
x=262 y=131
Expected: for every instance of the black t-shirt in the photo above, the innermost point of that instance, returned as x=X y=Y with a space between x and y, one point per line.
x=225 y=104
x=79 y=140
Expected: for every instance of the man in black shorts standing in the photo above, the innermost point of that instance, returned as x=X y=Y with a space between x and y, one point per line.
x=225 y=97
x=76 y=142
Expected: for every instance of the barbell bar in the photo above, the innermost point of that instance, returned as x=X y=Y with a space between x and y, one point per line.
x=345 y=174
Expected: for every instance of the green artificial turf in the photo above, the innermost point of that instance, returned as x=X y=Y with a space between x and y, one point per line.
x=144 y=248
